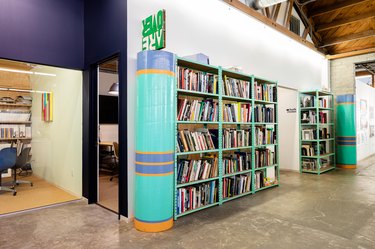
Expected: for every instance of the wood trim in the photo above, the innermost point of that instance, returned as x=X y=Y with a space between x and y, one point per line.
x=251 y=12
x=363 y=73
x=345 y=21
x=268 y=14
x=276 y=13
x=305 y=32
x=352 y=53
x=348 y=38
x=289 y=13
x=335 y=7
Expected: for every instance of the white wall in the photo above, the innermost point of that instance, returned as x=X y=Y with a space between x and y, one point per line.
x=105 y=82
x=365 y=143
x=57 y=145
x=230 y=38
x=288 y=129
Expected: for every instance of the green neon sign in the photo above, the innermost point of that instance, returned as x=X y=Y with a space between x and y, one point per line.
x=153 y=31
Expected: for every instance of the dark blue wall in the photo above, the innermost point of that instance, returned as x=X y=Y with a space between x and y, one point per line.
x=43 y=31
x=105 y=36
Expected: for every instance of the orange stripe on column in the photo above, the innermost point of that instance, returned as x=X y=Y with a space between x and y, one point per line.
x=155 y=71
x=153 y=227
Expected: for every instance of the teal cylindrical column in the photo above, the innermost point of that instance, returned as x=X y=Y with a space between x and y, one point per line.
x=155 y=136
x=346 y=131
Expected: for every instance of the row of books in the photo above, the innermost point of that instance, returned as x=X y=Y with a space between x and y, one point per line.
x=312 y=149
x=311 y=134
x=236 y=185
x=193 y=197
x=195 y=110
x=196 y=81
x=308 y=101
x=237 y=112
x=265 y=92
x=264 y=135
x=194 y=140
x=238 y=162
x=260 y=179
x=15 y=131
x=308 y=117
x=264 y=157
x=14 y=116
x=195 y=170
x=312 y=164
x=323 y=102
x=264 y=114
x=22 y=100
x=237 y=88
x=233 y=138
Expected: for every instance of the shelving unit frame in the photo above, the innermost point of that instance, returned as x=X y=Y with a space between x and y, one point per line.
x=221 y=98
x=318 y=125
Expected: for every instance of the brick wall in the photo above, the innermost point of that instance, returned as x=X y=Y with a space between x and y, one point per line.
x=342 y=73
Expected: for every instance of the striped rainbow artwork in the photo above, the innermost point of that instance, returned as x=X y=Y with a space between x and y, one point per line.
x=346 y=131
x=155 y=146
x=47 y=107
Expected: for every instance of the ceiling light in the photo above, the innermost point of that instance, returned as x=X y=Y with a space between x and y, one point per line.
x=113 y=90
x=15 y=70
x=24 y=71
x=45 y=74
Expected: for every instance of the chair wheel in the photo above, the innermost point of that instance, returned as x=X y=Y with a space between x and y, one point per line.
x=14 y=193
x=31 y=184
x=17 y=184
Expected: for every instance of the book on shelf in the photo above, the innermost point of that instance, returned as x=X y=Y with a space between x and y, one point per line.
x=189 y=141
x=309 y=134
x=198 y=110
x=265 y=92
x=14 y=115
x=264 y=135
x=264 y=114
x=195 y=170
x=324 y=134
x=237 y=162
x=15 y=131
x=233 y=138
x=308 y=117
x=237 y=112
x=312 y=149
x=264 y=157
x=309 y=164
x=193 y=197
x=323 y=117
x=307 y=101
x=323 y=102
x=236 y=185
x=259 y=179
x=236 y=88
x=192 y=80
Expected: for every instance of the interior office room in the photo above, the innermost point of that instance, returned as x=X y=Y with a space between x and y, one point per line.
x=42 y=121
x=164 y=124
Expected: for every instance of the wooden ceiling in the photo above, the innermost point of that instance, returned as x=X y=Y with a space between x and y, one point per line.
x=110 y=66
x=342 y=27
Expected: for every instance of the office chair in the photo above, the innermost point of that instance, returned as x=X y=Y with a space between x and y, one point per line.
x=23 y=160
x=8 y=157
x=115 y=152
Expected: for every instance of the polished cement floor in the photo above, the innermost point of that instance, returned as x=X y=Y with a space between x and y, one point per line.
x=333 y=210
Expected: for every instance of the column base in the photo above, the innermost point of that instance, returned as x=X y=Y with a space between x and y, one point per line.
x=153 y=227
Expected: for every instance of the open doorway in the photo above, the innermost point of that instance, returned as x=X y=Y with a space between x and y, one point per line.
x=108 y=136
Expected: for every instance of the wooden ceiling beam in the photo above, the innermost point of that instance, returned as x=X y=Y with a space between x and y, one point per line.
x=251 y=12
x=335 y=7
x=276 y=13
x=351 y=53
x=348 y=38
x=345 y=21
x=363 y=73
x=288 y=13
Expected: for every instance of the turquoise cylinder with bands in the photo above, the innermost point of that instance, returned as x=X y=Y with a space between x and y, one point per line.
x=346 y=130
x=155 y=126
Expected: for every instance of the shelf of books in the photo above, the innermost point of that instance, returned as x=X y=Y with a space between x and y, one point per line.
x=317 y=141
x=225 y=136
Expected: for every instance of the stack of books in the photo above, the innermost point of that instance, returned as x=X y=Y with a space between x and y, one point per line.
x=233 y=138
x=236 y=185
x=265 y=92
x=195 y=110
x=192 y=80
x=237 y=112
x=264 y=135
x=238 y=162
x=194 y=140
x=236 y=88
x=264 y=114
x=195 y=170
x=264 y=157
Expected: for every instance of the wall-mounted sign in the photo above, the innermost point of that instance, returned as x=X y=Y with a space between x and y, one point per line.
x=153 y=31
x=291 y=110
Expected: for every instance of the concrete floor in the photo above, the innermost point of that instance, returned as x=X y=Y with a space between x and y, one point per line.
x=334 y=210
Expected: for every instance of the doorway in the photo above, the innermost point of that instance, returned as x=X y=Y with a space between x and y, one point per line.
x=108 y=135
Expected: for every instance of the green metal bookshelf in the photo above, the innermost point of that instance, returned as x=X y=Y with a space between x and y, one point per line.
x=222 y=98
x=310 y=102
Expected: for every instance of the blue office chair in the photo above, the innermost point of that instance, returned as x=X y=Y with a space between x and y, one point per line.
x=8 y=157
